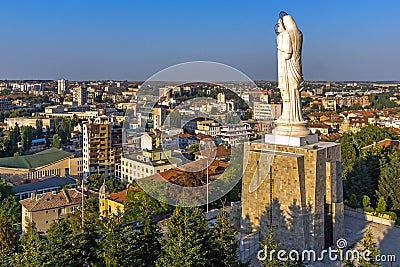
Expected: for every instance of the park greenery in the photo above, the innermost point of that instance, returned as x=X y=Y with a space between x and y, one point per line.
x=371 y=176
x=134 y=238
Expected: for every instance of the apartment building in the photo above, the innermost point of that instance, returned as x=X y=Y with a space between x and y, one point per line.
x=102 y=146
x=146 y=163
x=264 y=111
x=49 y=207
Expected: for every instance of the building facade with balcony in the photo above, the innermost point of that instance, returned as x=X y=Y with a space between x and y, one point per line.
x=102 y=146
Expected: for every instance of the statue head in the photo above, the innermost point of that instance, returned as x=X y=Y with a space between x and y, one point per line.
x=282 y=14
x=279 y=27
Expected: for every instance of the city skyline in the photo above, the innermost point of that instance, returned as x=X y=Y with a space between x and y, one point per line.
x=132 y=41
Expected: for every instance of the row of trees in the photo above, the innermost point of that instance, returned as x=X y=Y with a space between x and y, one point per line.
x=25 y=135
x=62 y=131
x=379 y=101
x=114 y=242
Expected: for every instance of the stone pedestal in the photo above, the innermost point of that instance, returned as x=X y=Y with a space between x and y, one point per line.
x=295 y=141
x=302 y=198
x=291 y=128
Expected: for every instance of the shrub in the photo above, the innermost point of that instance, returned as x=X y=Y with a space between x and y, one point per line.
x=381 y=206
x=392 y=215
x=353 y=202
x=366 y=202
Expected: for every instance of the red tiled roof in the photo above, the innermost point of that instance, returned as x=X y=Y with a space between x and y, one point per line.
x=49 y=200
x=318 y=125
x=183 y=172
x=221 y=152
x=184 y=135
x=204 y=136
x=319 y=114
x=385 y=144
x=121 y=195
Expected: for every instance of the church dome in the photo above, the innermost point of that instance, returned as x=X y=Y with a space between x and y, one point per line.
x=103 y=189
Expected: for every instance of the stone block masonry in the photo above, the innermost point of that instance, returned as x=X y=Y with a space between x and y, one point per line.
x=304 y=203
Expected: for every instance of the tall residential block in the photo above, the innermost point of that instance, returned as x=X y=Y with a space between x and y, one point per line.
x=102 y=146
x=80 y=95
x=62 y=86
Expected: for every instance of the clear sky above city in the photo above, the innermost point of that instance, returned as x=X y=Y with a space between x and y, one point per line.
x=131 y=40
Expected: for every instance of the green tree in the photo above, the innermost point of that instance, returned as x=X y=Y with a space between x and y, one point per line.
x=379 y=101
x=268 y=245
x=56 y=141
x=56 y=126
x=8 y=240
x=65 y=131
x=5 y=189
x=223 y=242
x=92 y=206
x=12 y=140
x=389 y=180
x=17 y=133
x=11 y=208
x=188 y=239
x=116 y=243
x=95 y=180
x=349 y=154
x=27 y=137
x=353 y=202
x=32 y=248
x=248 y=115
x=58 y=245
x=3 y=144
x=366 y=203
x=47 y=136
x=86 y=241
x=134 y=201
x=357 y=181
x=381 y=206
x=148 y=235
x=371 y=134
x=369 y=244
x=115 y=186
x=74 y=121
x=39 y=129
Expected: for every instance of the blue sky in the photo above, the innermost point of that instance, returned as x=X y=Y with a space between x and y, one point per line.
x=82 y=40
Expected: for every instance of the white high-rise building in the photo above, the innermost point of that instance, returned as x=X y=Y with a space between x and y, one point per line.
x=80 y=95
x=265 y=111
x=62 y=86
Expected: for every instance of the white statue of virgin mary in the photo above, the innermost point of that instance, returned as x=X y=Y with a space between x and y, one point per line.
x=290 y=78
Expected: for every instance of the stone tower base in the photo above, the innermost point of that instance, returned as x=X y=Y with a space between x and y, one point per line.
x=301 y=199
